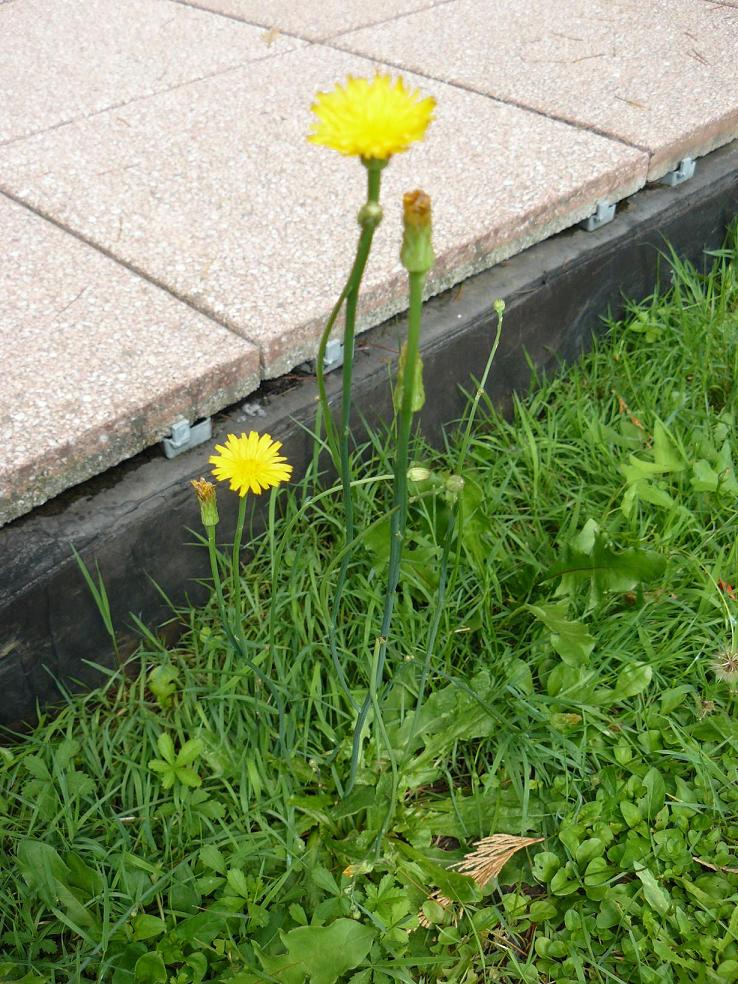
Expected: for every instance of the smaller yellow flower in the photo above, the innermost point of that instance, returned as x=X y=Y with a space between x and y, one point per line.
x=371 y=118
x=251 y=463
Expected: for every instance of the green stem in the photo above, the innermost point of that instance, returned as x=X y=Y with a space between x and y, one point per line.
x=218 y=585
x=236 y=566
x=351 y=293
x=399 y=513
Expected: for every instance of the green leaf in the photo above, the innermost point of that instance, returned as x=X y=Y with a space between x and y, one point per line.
x=46 y=874
x=320 y=954
x=591 y=557
x=570 y=639
x=190 y=752
x=145 y=927
x=655 y=793
x=325 y=880
x=631 y=814
x=704 y=477
x=150 y=969
x=237 y=882
x=656 y=896
x=632 y=680
x=188 y=777
x=166 y=748
x=213 y=858
x=665 y=451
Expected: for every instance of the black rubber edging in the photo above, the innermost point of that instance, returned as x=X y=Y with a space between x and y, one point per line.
x=133 y=520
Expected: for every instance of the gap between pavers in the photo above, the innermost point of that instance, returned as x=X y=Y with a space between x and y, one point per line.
x=65 y=61
x=97 y=363
x=662 y=75
x=135 y=519
x=213 y=192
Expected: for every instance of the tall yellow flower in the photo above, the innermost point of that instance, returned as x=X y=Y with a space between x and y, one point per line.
x=371 y=118
x=251 y=463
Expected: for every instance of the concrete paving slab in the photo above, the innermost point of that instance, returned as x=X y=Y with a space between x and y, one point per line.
x=214 y=191
x=661 y=75
x=97 y=362
x=63 y=61
x=314 y=21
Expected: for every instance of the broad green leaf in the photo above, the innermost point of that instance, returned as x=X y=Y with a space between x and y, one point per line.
x=166 y=748
x=325 y=880
x=150 y=969
x=592 y=558
x=655 y=793
x=320 y=954
x=213 y=858
x=656 y=896
x=570 y=639
x=146 y=926
x=632 y=680
x=190 y=751
x=188 y=777
x=704 y=477
x=665 y=450
x=163 y=682
x=237 y=882
x=48 y=876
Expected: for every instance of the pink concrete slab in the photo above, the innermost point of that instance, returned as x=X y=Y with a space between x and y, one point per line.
x=214 y=191
x=65 y=59
x=313 y=19
x=661 y=75
x=96 y=362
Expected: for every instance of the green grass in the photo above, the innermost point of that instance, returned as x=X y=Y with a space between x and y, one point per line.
x=570 y=694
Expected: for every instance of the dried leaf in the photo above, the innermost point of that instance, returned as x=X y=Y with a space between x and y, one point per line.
x=486 y=861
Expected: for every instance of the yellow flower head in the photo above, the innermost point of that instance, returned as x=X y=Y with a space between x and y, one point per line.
x=251 y=463
x=371 y=118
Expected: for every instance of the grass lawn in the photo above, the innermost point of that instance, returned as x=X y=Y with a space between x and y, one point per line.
x=563 y=665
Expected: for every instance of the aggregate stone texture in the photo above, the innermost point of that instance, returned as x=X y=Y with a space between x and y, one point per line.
x=97 y=362
x=66 y=59
x=661 y=75
x=315 y=21
x=214 y=191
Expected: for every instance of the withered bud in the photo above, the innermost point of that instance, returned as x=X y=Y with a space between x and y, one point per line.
x=417 y=254
x=206 y=496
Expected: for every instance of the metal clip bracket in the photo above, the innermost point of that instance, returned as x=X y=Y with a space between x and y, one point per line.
x=604 y=213
x=333 y=355
x=183 y=436
x=681 y=173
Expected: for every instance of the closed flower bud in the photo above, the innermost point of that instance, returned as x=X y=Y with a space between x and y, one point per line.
x=370 y=215
x=418 y=474
x=205 y=492
x=417 y=254
x=454 y=484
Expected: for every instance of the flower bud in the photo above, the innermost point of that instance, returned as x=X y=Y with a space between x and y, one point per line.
x=454 y=484
x=417 y=254
x=370 y=215
x=205 y=492
x=418 y=474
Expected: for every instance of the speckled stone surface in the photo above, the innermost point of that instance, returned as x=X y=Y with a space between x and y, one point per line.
x=661 y=75
x=96 y=362
x=311 y=19
x=66 y=59
x=214 y=191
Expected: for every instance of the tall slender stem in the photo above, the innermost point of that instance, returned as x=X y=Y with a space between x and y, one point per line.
x=399 y=512
x=368 y=222
x=236 y=566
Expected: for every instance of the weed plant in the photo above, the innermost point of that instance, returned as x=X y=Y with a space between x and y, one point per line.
x=579 y=677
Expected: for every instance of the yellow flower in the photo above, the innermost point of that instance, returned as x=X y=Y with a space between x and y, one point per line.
x=371 y=118
x=250 y=463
